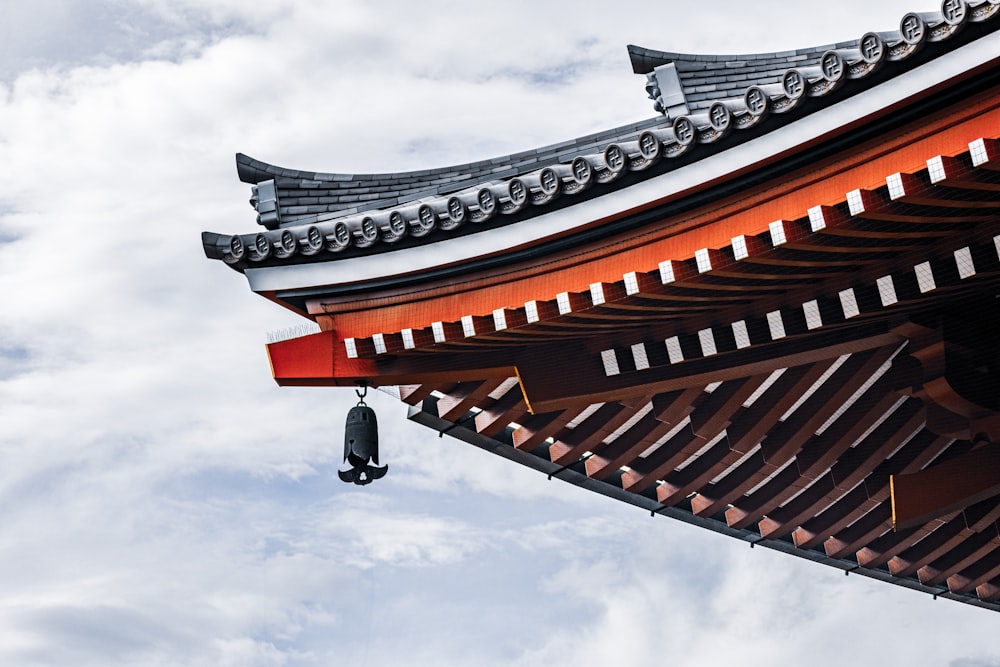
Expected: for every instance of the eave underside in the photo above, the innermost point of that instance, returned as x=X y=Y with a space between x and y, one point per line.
x=795 y=457
x=862 y=541
x=762 y=386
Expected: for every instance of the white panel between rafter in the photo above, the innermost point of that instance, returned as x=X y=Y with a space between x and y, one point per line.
x=408 y=342
x=379 y=341
x=855 y=202
x=813 y=318
x=849 y=303
x=776 y=325
x=977 y=151
x=777 y=229
x=531 y=311
x=803 y=489
x=815 y=385
x=741 y=334
x=610 y=361
x=878 y=422
x=666 y=272
x=963 y=260
x=772 y=475
x=860 y=391
x=674 y=350
x=640 y=357
x=935 y=169
x=917 y=429
x=736 y=464
x=584 y=414
x=703 y=259
x=499 y=319
x=771 y=379
x=816 y=219
x=438 y=329
x=468 y=326
x=352 y=348
x=597 y=293
x=886 y=290
x=562 y=299
x=391 y=390
x=925 y=277
x=707 y=340
x=702 y=450
x=632 y=421
x=631 y=283
x=740 y=247
x=681 y=425
x=504 y=387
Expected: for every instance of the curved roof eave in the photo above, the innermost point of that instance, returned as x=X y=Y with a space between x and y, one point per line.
x=491 y=241
x=306 y=213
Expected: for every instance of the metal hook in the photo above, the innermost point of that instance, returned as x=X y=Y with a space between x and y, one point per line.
x=362 y=393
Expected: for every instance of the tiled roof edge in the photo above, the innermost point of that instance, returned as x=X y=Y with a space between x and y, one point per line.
x=252 y=170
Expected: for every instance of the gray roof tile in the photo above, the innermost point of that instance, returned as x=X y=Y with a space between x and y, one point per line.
x=703 y=79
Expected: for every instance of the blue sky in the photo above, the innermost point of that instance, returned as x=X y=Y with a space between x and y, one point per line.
x=162 y=502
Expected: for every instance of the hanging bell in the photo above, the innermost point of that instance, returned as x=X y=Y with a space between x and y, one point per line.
x=361 y=445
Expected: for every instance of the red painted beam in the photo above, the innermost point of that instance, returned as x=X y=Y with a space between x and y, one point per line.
x=321 y=359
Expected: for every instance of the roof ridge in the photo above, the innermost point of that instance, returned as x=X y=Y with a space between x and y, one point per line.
x=252 y=170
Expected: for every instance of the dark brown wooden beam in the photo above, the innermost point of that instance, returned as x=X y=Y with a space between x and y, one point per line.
x=946 y=487
x=679 y=484
x=668 y=409
x=414 y=394
x=932 y=547
x=465 y=396
x=718 y=414
x=787 y=438
x=869 y=528
x=571 y=444
x=646 y=432
x=535 y=429
x=499 y=413
x=670 y=455
x=975 y=576
x=837 y=521
x=544 y=373
x=749 y=430
x=975 y=548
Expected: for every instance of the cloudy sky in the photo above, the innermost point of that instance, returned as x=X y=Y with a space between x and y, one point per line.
x=162 y=502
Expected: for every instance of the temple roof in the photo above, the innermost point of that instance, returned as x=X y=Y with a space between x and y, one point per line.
x=766 y=390
x=770 y=315
x=711 y=102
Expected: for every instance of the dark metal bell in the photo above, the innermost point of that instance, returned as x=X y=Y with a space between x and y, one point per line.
x=361 y=447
